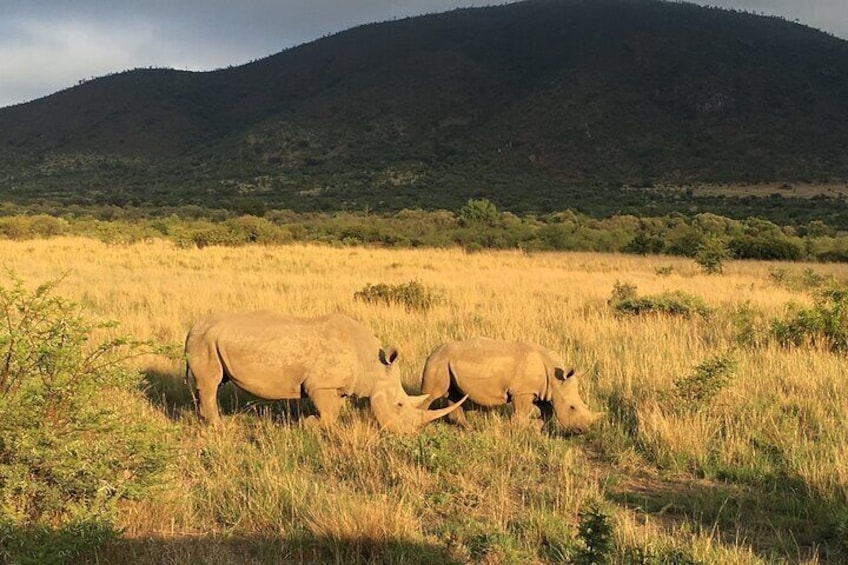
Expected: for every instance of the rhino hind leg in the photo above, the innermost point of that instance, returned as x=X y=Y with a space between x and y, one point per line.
x=435 y=382
x=328 y=404
x=207 y=374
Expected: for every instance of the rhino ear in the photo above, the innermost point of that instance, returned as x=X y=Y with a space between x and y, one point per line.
x=561 y=375
x=388 y=355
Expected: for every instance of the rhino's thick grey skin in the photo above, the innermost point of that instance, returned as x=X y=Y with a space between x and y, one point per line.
x=492 y=373
x=276 y=357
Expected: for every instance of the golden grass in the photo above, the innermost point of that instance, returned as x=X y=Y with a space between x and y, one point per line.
x=781 y=416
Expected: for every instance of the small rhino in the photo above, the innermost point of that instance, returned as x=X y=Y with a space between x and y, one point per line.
x=277 y=357
x=492 y=373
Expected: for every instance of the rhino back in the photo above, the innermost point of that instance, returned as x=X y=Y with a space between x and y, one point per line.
x=274 y=356
x=489 y=371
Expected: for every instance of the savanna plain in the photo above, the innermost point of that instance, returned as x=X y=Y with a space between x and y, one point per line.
x=719 y=444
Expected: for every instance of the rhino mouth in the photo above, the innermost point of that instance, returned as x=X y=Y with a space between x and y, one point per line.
x=582 y=427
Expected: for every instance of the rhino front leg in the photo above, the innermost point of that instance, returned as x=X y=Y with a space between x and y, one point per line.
x=458 y=415
x=328 y=404
x=525 y=412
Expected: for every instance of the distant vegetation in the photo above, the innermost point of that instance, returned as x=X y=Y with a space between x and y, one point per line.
x=592 y=105
x=707 y=238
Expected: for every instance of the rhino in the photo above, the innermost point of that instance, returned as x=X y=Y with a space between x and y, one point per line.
x=278 y=357
x=492 y=373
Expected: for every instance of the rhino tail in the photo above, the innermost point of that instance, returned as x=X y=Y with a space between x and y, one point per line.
x=191 y=385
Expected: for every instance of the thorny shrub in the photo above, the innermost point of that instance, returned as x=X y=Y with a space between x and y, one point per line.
x=74 y=437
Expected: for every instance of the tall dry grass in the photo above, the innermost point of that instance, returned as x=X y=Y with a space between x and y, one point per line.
x=755 y=475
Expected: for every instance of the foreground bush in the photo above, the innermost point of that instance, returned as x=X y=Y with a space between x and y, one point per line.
x=74 y=438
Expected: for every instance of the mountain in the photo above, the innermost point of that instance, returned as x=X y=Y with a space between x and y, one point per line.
x=539 y=105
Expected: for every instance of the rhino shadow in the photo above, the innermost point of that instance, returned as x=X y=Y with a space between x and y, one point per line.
x=780 y=522
x=777 y=515
x=475 y=411
x=52 y=545
x=168 y=392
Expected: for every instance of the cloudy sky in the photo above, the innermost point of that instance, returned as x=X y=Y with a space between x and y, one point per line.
x=48 y=45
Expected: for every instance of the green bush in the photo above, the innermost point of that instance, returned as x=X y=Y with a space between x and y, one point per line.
x=765 y=247
x=711 y=255
x=694 y=392
x=826 y=323
x=411 y=295
x=684 y=240
x=480 y=212
x=749 y=327
x=596 y=533
x=73 y=439
x=644 y=243
x=622 y=291
x=677 y=303
x=28 y=227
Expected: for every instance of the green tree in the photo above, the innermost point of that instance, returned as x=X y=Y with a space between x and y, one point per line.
x=479 y=212
x=711 y=254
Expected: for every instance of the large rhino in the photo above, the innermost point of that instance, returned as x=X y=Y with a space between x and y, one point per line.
x=492 y=373
x=276 y=357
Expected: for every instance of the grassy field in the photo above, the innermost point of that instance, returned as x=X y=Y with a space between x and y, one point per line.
x=752 y=470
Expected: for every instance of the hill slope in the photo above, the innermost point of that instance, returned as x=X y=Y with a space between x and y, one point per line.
x=539 y=105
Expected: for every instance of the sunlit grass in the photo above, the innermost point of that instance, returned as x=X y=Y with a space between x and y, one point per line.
x=755 y=475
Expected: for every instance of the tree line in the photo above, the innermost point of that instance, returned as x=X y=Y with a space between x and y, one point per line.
x=477 y=225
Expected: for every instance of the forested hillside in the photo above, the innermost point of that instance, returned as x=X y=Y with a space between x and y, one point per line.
x=539 y=106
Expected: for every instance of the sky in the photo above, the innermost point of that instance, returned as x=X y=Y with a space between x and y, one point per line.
x=49 y=45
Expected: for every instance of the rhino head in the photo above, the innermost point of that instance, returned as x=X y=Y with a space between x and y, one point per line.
x=570 y=410
x=395 y=410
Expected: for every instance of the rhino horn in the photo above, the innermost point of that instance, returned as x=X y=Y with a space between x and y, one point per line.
x=400 y=412
x=430 y=415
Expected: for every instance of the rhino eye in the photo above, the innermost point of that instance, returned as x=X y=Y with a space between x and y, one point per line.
x=572 y=407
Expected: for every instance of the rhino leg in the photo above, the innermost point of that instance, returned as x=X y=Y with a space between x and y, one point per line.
x=208 y=375
x=525 y=412
x=328 y=403
x=458 y=415
x=455 y=396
